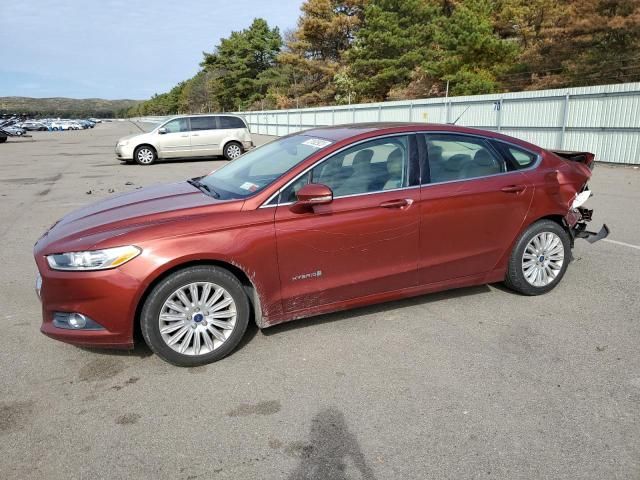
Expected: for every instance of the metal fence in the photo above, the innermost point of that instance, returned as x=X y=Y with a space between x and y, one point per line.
x=603 y=119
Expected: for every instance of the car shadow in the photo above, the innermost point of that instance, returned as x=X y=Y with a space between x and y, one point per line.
x=140 y=350
x=377 y=308
x=180 y=160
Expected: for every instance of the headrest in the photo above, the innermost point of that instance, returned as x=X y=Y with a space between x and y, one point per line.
x=395 y=155
x=456 y=162
x=363 y=157
x=483 y=158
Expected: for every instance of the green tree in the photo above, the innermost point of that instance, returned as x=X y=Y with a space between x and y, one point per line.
x=467 y=51
x=238 y=61
x=391 y=43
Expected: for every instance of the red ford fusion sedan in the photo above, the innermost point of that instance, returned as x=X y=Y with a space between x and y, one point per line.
x=323 y=220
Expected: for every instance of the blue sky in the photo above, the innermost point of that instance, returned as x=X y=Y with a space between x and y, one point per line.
x=118 y=48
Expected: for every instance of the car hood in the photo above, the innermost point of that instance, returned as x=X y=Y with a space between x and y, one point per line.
x=133 y=135
x=113 y=217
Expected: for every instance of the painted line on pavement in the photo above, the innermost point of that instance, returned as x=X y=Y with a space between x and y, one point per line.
x=621 y=243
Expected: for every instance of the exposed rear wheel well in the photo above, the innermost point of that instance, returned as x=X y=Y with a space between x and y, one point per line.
x=248 y=286
x=559 y=219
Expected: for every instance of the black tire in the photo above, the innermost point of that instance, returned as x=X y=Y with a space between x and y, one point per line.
x=231 y=150
x=149 y=317
x=516 y=279
x=145 y=155
x=3 y=139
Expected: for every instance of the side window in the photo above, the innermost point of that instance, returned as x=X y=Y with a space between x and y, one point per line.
x=372 y=166
x=230 y=122
x=177 y=125
x=288 y=195
x=203 y=123
x=523 y=159
x=460 y=157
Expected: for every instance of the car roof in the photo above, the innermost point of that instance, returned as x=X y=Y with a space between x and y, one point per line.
x=207 y=115
x=342 y=132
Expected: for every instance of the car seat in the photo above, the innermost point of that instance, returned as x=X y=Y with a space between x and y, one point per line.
x=483 y=164
x=394 y=170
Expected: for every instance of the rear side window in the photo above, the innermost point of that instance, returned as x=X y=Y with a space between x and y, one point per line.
x=461 y=157
x=518 y=157
x=230 y=122
x=203 y=123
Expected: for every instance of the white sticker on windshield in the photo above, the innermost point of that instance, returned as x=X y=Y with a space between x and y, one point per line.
x=316 y=142
x=252 y=187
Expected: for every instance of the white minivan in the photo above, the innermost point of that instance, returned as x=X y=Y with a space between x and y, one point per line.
x=187 y=137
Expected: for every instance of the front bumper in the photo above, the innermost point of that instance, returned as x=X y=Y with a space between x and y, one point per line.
x=107 y=297
x=124 y=152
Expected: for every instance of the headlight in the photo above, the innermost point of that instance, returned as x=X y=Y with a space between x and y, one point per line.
x=123 y=143
x=94 y=259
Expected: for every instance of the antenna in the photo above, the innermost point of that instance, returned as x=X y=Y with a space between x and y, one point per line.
x=465 y=111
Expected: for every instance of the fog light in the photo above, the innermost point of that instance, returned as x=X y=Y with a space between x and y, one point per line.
x=74 y=321
x=77 y=320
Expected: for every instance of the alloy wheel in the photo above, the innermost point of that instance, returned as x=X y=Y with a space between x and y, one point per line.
x=234 y=151
x=145 y=155
x=542 y=259
x=197 y=318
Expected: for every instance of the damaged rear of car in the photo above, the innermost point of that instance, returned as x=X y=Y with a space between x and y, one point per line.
x=542 y=252
x=579 y=216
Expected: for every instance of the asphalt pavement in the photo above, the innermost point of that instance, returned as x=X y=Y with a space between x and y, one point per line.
x=475 y=383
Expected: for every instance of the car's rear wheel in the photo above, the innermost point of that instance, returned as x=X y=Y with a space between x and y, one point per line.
x=145 y=155
x=195 y=316
x=3 y=139
x=232 y=150
x=539 y=259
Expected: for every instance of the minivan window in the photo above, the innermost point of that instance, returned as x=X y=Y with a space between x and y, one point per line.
x=460 y=157
x=258 y=168
x=230 y=122
x=203 y=123
x=177 y=125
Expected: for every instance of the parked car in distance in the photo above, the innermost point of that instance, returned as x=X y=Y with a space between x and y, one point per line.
x=318 y=221
x=34 y=126
x=188 y=137
x=15 y=130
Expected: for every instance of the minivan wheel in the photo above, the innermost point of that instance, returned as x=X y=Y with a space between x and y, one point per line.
x=539 y=259
x=232 y=150
x=145 y=155
x=195 y=316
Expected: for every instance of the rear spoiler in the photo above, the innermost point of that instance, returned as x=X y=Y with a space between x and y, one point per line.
x=581 y=157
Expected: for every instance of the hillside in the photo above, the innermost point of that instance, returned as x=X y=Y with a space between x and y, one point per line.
x=65 y=107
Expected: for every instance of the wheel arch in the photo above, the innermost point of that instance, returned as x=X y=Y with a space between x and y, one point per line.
x=558 y=218
x=145 y=145
x=229 y=140
x=248 y=285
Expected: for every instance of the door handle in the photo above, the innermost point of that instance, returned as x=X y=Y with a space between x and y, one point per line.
x=195 y=134
x=185 y=135
x=514 y=188
x=399 y=203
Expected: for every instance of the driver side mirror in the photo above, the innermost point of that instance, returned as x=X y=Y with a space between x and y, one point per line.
x=314 y=194
x=162 y=130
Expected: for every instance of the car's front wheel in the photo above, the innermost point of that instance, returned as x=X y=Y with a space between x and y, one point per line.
x=232 y=150
x=195 y=316
x=145 y=155
x=539 y=258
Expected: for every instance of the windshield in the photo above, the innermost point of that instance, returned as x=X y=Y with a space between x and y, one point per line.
x=258 y=168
